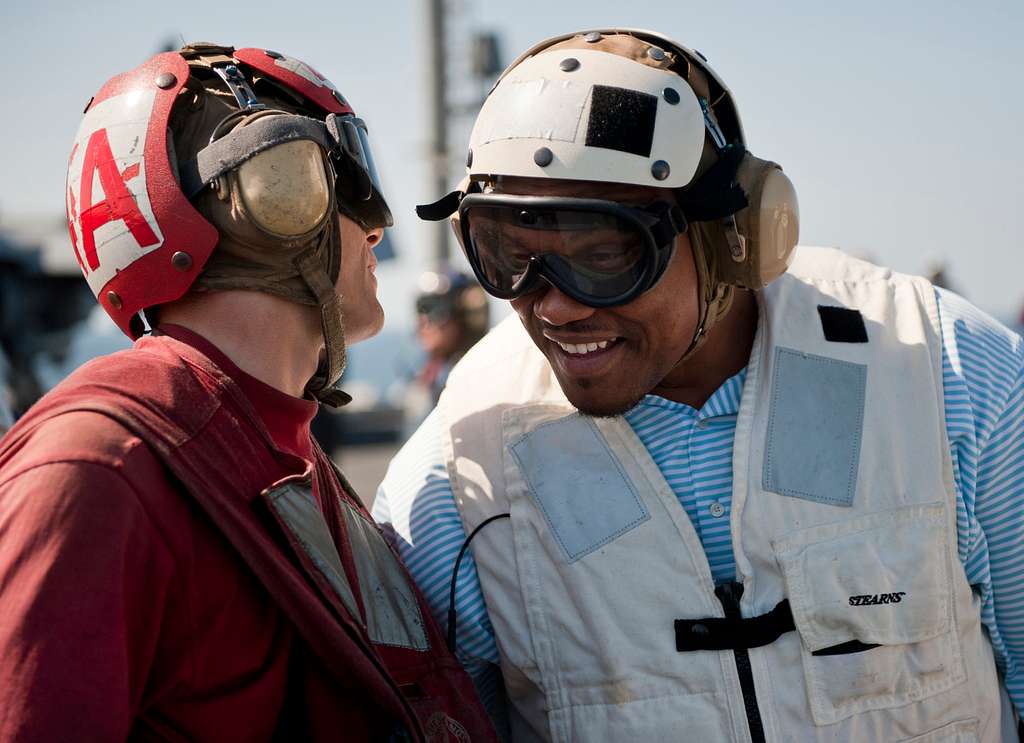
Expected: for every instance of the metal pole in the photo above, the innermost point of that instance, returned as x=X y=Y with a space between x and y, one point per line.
x=436 y=46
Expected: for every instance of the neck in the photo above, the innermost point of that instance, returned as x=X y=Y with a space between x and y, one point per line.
x=276 y=341
x=723 y=354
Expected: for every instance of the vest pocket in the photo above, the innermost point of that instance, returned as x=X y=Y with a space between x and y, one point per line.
x=692 y=717
x=962 y=731
x=880 y=580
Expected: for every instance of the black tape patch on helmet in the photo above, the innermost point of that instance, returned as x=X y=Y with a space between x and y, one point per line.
x=621 y=119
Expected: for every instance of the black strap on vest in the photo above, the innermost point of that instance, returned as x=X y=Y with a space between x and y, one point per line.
x=736 y=633
x=717 y=633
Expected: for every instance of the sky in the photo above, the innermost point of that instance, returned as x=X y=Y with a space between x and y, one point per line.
x=899 y=122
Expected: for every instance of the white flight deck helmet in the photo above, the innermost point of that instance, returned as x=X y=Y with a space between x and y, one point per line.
x=634 y=107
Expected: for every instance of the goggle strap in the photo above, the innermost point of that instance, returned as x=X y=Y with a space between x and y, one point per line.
x=715 y=194
x=672 y=223
x=244 y=143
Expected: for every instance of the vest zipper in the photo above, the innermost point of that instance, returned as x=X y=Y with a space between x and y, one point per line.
x=729 y=595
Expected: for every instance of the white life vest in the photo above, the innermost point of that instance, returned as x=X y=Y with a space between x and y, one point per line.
x=843 y=504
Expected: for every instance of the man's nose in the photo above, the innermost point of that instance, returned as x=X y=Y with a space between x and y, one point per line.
x=557 y=308
x=373 y=237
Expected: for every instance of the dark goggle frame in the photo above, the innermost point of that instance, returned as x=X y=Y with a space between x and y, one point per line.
x=658 y=223
x=363 y=199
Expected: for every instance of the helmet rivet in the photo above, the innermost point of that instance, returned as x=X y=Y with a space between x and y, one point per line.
x=114 y=299
x=656 y=53
x=340 y=98
x=569 y=64
x=660 y=170
x=165 y=81
x=592 y=37
x=273 y=54
x=527 y=218
x=543 y=157
x=671 y=95
x=231 y=70
x=469 y=159
x=181 y=261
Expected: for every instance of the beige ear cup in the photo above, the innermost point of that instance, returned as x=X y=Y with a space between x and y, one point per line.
x=285 y=189
x=768 y=227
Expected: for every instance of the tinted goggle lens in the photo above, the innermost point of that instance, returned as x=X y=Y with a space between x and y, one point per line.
x=359 y=188
x=591 y=255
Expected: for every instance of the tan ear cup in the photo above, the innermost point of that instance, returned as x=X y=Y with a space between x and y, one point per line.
x=285 y=189
x=768 y=227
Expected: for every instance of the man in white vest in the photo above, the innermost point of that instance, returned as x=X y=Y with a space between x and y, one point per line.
x=707 y=486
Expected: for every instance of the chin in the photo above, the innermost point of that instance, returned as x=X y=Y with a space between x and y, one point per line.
x=596 y=402
x=365 y=328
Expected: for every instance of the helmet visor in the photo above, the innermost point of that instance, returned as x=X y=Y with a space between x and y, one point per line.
x=600 y=253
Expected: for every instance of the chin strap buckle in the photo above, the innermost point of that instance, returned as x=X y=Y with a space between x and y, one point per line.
x=737 y=243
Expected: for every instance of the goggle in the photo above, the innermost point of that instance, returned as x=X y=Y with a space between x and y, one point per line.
x=343 y=139
x=600 y=253
x=360 y=193
x=437 y=308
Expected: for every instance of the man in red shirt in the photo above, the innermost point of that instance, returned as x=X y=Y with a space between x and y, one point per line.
x=179 y=560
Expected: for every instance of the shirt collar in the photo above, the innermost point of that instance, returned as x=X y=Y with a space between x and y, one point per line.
x=724 y=401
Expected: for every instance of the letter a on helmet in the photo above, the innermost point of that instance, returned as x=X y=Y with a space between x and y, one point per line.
x=126 y=215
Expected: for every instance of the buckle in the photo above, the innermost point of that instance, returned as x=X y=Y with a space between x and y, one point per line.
x=239 y=87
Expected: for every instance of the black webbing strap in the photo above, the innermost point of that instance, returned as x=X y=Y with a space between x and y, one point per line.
x=672 y=224
x=716 y=633
x=735 y=633
x=236 y=147
x=443 y=208
x=715 y=194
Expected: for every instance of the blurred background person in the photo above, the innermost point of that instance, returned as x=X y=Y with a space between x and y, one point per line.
x=452 y=314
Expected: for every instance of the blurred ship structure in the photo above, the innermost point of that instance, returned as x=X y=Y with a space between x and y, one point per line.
x=44 y=306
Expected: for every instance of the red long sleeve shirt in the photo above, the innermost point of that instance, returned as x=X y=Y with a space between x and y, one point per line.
x=123 y=612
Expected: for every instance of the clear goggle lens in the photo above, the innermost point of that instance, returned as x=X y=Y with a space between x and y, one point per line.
x=599 y=256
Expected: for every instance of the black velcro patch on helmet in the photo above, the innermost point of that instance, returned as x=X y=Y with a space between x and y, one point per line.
x=622 y=119
x=842 y=325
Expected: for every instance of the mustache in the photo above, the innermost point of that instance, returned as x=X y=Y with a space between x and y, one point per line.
x=580 y=327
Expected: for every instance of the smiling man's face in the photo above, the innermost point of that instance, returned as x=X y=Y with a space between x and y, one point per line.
x=607 y=359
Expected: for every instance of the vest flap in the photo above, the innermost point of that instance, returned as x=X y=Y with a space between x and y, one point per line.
x=579 y=474
x=392 y=613
x=296 y=509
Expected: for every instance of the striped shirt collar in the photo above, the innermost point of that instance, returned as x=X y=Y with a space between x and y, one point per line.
x=724 y=401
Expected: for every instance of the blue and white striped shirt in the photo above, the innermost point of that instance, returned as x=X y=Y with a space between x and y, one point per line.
x=983 y=383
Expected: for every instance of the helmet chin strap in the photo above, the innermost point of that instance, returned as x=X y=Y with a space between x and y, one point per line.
x=310 y=266
x=715 y=298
